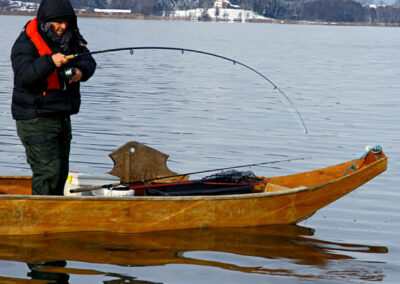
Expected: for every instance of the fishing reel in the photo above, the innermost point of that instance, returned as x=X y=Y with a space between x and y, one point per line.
x=69 y=73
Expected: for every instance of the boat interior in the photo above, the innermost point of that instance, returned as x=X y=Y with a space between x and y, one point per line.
x=137 y=162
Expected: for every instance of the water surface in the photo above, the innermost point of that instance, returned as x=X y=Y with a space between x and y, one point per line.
x=208 y=113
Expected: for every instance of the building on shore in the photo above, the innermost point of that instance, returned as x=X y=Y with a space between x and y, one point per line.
x=23 y=6
x=112 y=11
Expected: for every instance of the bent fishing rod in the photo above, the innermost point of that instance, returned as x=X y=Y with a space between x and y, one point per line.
x=182 y=175
x=132 y=49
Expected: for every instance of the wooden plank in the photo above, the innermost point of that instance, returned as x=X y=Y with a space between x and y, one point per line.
x=16 y=185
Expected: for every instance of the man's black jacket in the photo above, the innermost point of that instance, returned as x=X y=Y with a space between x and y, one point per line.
x=31 y=70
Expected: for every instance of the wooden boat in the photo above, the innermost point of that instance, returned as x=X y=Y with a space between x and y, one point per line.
x=277 y=200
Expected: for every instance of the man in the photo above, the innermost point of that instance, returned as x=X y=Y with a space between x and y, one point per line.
x=46 y=91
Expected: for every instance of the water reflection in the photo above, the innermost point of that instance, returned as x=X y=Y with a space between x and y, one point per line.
x=251 y=250
x=47 y=271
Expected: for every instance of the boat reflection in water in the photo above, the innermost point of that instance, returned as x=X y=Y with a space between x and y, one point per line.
x=48 y=255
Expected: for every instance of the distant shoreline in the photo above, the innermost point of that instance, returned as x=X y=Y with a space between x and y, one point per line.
x=161 y=18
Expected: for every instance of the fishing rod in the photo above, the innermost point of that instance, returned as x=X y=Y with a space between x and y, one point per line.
x=131 y=50
x=185 y=174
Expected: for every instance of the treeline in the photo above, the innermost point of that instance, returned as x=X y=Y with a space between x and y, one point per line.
x=297 y=10
x=327 y=11
x=144 y=7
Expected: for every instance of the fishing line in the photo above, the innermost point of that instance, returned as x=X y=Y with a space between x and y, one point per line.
x=183 y=50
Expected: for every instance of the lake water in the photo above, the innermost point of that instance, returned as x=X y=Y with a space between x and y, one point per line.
x=208 y=113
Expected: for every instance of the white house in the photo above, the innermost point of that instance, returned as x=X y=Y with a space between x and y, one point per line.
x=112 y=11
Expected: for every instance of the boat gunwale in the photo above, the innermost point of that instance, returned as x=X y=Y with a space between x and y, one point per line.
x=16 y=177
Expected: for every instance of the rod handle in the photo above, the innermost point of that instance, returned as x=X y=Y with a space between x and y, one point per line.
x=90 y=188
x=69 y=57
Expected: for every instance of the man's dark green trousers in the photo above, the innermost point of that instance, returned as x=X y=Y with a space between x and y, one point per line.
x=47 y=142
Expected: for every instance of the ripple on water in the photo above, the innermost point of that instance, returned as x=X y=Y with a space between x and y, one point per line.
x=206 y=113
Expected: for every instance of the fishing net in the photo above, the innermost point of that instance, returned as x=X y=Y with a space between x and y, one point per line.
x=233 y=176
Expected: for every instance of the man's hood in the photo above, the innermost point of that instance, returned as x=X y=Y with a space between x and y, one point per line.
x=50 y=9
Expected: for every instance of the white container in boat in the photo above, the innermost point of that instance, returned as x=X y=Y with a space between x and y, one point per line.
x=79 y=180
x=112 y=192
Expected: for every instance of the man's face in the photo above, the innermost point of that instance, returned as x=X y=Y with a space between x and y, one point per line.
x=59 y=27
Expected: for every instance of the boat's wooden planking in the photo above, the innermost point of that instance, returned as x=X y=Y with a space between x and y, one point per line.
x=21 y=215
x=284 y=200
x=320 y=176
x=16 y=185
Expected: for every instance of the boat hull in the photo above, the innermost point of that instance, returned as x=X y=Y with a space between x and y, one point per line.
x=27 y=215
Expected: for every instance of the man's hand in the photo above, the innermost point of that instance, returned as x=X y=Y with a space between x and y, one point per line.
x=77 y=77
x=59 y=59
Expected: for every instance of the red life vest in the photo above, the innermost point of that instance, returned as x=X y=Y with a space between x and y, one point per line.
x=33 y=33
